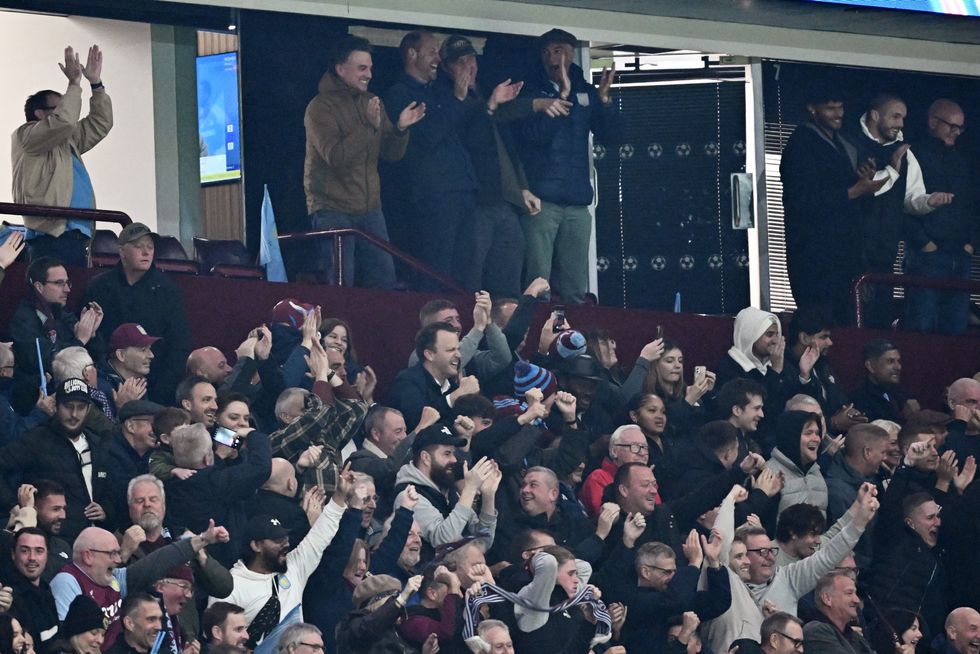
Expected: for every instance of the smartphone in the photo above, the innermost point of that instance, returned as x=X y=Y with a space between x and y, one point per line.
x=558 y=324
x=227 y=437
x=699 y=374
x=660 y=331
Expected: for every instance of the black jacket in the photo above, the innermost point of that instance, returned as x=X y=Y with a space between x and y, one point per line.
x=882 y=216
x=221 y=492
x=363 y=632
x=25 y=326
x=822 y=387
x=46 y=453
x=945 y=169
x=287 y=510
x=880 y=402
x=34 y=606
x=413 y=389
x=157 y=304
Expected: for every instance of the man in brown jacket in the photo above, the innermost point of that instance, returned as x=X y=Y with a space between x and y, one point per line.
x=47 y=154
x=347 y=130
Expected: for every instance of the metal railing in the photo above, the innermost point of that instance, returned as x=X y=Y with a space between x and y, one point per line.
x=373 y=239
x=41 y=211
x=906 y=281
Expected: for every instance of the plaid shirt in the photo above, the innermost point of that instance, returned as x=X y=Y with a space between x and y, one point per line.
x=321 y=423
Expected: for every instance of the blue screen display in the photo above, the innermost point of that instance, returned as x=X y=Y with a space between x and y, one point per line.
x=950 y=7
x=217 y=117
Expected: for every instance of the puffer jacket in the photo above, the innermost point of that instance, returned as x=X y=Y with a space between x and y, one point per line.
x=555 y=151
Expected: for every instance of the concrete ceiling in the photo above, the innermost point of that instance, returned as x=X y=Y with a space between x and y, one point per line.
x=799 y=14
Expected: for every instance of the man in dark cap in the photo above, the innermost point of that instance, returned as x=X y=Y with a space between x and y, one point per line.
x=880 y=398
x=494 y=240
x=269 y=564
x=129 y=453
x=441 y=184
x=64 y=451
x=555 y=152
x=135 y=291
x=444 y=515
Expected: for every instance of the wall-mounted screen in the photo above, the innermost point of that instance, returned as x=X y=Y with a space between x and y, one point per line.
x=217 y=117
x=951 y=7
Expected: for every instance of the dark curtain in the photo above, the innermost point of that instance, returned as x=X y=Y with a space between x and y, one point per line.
x=664 y=213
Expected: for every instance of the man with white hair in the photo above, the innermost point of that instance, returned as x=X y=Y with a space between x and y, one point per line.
x=218 y=492
x=626 y=445
x=96 y=571
x=300 y=637
x=964 y=432
x=493 y=637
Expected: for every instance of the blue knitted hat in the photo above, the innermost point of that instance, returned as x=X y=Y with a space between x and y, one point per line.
x=528 y=376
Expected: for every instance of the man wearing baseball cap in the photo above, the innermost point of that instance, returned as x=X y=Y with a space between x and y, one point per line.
x=494 y=240
x=444 y=515
x=64 y=451
x=555 y=152
x=135 y=291
x=129 y=357
x=129 y=451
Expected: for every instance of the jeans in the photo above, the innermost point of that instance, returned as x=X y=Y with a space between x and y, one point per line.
x=495 y=248
x=931 y=310
x=373 y=266
x=70 y=248
x=559 y=236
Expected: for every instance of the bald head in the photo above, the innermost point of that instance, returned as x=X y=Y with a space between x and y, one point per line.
x=96 y=553
x=946 y=121
x=963 y=630
x=283 y=478
x=210 y=363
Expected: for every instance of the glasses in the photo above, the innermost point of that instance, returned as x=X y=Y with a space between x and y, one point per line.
x=61 y=283
x=316 y=647
x=112 y=554
x=183 y=585
x=765 y=551
x=666 y=571
x=635 y=448
x=797 y=642
x=953 y=127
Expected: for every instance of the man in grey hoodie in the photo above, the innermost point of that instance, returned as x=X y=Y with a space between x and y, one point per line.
x=444 y=514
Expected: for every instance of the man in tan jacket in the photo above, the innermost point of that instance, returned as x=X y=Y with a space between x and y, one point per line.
x=47 y=158
x=347 y=130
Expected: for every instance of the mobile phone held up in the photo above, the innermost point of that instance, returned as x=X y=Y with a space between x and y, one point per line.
x=660 y=331
x=700 y=372
x=227 y=437
x=558 y=324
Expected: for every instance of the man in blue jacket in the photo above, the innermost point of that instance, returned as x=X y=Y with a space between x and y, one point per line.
x=555 y=152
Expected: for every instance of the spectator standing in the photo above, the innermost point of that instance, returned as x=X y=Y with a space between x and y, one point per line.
x=47 y=158
x=941 y=245
x=347 y=131
x=555 y=152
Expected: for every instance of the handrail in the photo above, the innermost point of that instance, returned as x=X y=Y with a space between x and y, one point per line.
x=41 y=211
x=374 y=239
x=906 y=280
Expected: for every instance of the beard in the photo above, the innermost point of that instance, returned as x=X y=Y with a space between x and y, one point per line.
x=273 y=563
x=149 y=521
x=443 y=476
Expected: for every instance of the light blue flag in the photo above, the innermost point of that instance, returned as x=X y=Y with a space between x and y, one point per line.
x=269 y=254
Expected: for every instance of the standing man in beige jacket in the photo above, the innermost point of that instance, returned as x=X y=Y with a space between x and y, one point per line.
x=347 y=130
x=47 y=158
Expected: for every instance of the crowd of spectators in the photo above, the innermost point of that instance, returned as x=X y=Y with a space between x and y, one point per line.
x=511 y=491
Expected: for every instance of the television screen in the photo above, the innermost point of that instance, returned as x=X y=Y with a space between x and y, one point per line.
x=217 y=117
x=951 y=7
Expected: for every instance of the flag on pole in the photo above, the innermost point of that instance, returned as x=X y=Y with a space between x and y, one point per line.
x=269 y=254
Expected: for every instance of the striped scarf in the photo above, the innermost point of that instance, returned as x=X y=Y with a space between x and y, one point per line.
x=491 y=594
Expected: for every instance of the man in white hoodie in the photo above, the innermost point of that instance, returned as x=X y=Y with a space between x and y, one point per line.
x=882 y=215
x=270 y=580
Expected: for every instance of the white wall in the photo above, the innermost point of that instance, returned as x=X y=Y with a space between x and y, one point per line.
x=122 y=166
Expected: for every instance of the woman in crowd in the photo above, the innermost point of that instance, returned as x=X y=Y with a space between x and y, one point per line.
x=337 y=336
x=13 y=638
x=685 y=404
x=647 y=410
x=897 y=631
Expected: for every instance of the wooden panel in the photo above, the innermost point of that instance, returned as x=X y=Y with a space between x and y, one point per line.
x=224 y=215
x=221 y=204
